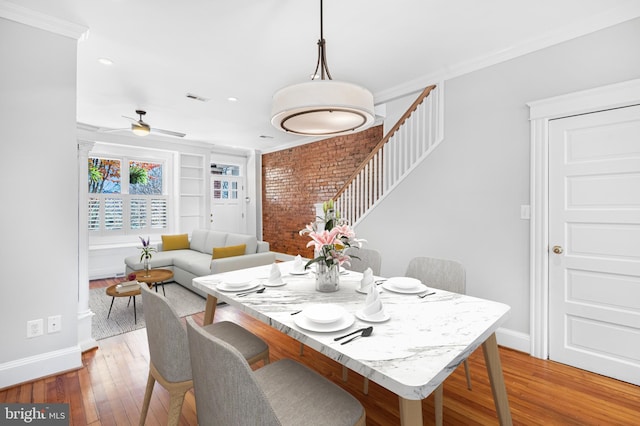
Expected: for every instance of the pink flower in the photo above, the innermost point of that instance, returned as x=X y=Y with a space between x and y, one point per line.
x=345 y=231
x=323 y=238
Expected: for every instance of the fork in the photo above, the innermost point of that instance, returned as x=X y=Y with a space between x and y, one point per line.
x=260 y=290
x=423 y=295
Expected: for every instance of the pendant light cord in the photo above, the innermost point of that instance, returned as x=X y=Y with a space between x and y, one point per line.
x=322 y=58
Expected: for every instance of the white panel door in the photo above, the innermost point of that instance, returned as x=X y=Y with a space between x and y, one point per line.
x=594 y=242
x=227 y=204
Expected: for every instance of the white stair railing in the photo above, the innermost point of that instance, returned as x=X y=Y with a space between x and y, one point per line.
x=411 y=140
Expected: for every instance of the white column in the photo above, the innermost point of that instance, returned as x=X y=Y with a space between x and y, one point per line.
x=85 y=340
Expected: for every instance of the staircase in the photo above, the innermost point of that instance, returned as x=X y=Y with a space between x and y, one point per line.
x=408 y=143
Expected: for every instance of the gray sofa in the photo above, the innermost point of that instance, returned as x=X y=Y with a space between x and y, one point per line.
x=197 y=261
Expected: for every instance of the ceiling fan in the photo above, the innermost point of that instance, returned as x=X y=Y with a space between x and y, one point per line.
x=140 y=128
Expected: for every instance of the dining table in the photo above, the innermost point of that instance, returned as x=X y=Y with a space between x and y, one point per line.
x=416 y=343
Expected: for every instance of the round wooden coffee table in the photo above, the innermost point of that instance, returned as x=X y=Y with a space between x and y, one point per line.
x=156 y=276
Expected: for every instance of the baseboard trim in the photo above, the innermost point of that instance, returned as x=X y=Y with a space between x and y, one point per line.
x=38 y=366
x=514 y=340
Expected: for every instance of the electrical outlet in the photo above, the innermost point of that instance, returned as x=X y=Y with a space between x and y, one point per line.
x=34 y=328
x=54 y=324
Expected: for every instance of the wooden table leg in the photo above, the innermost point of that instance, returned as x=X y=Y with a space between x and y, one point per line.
x=210 y=309
x=437 y=404
x=410 y=412
x=494 y=368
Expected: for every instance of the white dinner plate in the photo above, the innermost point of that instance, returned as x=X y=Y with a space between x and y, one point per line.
x=378 y=318
x=248 y=286
x=236 y=282
x=406 y=283
x=305 y=272
x=266 y=283
x=324 y=313
x=345 y=322
x=389 y=286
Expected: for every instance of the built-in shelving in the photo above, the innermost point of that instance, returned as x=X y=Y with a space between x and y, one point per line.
x=192 y=192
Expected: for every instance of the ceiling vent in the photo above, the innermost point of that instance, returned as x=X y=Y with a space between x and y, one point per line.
x=196 y=97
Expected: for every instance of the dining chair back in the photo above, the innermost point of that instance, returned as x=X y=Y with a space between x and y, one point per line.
x=443 y=274
x=365 y=258
x=170 y=363
x=281 y=393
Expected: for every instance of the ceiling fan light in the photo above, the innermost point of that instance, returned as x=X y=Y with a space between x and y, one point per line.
x=322 y=107
x=140 y=129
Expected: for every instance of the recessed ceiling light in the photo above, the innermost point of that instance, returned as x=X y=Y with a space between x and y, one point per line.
x=105 y=61
x=232 y=99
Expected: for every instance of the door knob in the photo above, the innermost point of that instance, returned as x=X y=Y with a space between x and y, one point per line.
x=557 y=249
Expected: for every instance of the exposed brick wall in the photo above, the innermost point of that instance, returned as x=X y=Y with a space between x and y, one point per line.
x=295 y=179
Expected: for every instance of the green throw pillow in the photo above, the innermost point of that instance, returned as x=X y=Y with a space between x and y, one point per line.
x=175 y=242
x=229 y=251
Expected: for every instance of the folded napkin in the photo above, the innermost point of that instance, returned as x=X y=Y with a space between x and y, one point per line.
x=275 y=277
x=298 y=264
x=372 y=304
x=367 y=279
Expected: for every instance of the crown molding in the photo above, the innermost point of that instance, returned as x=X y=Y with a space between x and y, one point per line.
x=23 y=15
x=627 y=12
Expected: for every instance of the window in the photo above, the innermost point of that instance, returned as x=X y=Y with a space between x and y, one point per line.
x=126 y=203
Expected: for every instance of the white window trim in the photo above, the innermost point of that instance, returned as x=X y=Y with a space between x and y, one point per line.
x=126 y=154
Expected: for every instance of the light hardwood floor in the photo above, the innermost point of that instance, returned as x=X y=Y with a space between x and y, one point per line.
x=108 y=390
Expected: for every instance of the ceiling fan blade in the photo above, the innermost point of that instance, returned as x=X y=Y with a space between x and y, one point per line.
x=168 y=132
x=129 y=118
x=114 y=130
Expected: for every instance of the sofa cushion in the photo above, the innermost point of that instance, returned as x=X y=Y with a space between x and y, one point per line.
x=175 y=242
x=198 y=239
x=228 y=251
x=196 y=263
x=249 y=240
x=215 y=239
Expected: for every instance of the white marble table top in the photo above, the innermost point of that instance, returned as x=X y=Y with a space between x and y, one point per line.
x=411 y=354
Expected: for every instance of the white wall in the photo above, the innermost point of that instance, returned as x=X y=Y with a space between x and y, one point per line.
x=464 y=201
x=39 y=217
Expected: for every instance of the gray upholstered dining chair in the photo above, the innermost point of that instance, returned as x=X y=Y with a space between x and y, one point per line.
x=170 y=364
x=442 y=274
x=229 y=392
x=365 y=258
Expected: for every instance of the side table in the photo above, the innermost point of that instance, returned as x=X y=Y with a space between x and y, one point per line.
x=111 y=291
x=156 y=276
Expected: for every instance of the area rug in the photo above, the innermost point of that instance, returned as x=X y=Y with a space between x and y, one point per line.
x=120 y=321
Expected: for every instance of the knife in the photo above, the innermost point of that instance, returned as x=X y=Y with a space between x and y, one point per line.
x=352 y=333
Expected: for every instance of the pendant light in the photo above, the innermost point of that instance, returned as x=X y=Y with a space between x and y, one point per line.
x=322 y=106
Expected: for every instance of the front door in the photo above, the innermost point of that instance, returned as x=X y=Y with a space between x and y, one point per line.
x=227 y=204
x=594 y=242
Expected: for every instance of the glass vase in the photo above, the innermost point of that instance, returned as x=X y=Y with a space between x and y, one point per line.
x=327 y=277
x=146 y=262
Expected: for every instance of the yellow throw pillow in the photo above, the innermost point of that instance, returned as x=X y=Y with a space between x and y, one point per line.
x=229 y=251
x=175 y=242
